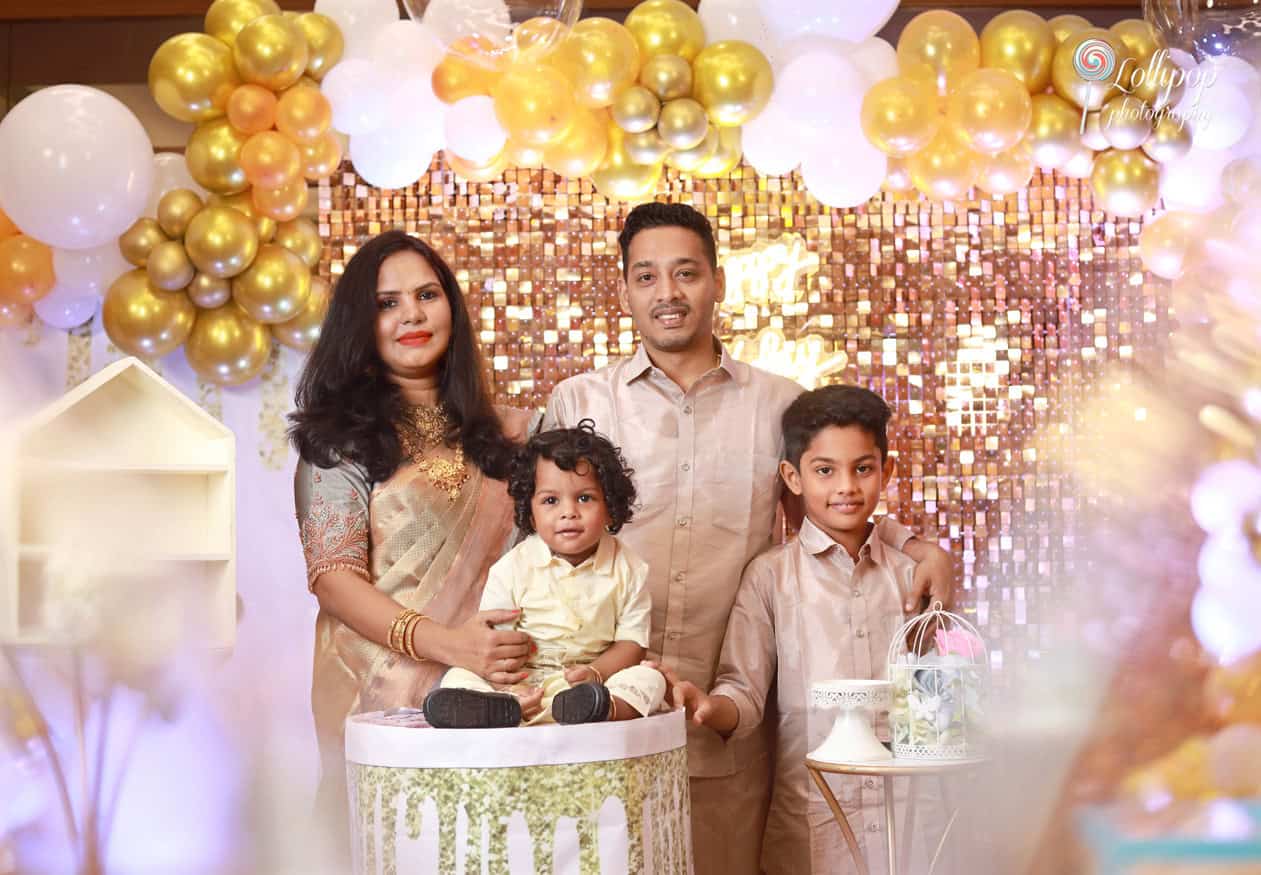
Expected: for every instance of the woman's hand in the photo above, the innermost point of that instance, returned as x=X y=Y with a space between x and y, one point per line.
x=474 y=645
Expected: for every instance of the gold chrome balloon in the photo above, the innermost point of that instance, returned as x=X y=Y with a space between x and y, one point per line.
x=1092 y=137
x=191 y=76
x=599 y=58
x=1125 y=183
x=302 y=331
x=252 y=109
x=303 y=114
x=213 y=155
x=145 y=321
x=536 y=39
x=691 y=160
x=991 y=108
x=208 y=292
x=1023 y=44
x=726 y=157
x=733 y=81
x=666 y=27
x=26 y=270
x=1064 y=26
x=225 y=18
x=275 y=287
x=1007 y=172
x=1080 y=165
x=582 y=148
x=176 y=209
x=683 y=123
x=667 y=76
x=1101 y=55
x=1140 y=38
x=15 y=315
x=271 y=160
x=284 y=203
x=1158 y=82
x=468 y=69
x=302 y=238
x=244 y=203
x=221 y=241
x=271 y=51
x=321 y=158
x=646 y=147
x=534 y=103
x=621 y=178
x=938 y=48
x=1125 y=123
x=1170 y=140
x=227 y=347
x=169 y=267
x=899 y=115
x=138 y=241
x=1167 y=240
x=523 y=154
x=944 y=169
x=488 y=172
x=325 y=44
x=636 y=110
x=1054 y=132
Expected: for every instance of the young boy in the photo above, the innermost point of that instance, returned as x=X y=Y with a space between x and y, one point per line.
x=582 y=595
x=823 y=606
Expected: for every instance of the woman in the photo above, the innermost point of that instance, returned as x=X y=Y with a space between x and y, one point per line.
x=400 y=496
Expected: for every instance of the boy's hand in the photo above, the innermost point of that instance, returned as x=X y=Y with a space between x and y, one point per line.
x=581 y=674
x=531 y=700
x=934 y=580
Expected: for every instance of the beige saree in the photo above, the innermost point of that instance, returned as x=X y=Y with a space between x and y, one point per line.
x=411 y=539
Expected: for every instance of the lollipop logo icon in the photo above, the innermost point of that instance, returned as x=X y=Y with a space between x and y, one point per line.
x=1095 y=60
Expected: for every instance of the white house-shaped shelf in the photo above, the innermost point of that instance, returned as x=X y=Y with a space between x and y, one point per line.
x=125 y=460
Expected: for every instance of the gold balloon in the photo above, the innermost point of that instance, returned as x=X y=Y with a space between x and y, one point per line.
x=899 y=115
x=944 y=169
x=7 y=228
x=303 y=114
x=636 y=110
x=523 y=154
x=726 y=157
x=252 y=109
x=321 y=158
x=683 y=123
x=244 y=203
x=991 y=109
x=1054 y=131
x=221 y=241
x=1125 y=183
x=1241 y=181
x=599 y=58
x=646 y=147
x=1023 y=44
x=1092 y=137
x=270 y=160
x=468 y=69
x=271 y=51
x=490 y=171
x=733 y=81
x=302 y=331
x=1125 y=123
x=1080 y=165
x=275 y=287
x=1170 y=140
x=897 y=178
x=691 y=160
x=938 y=48
x=284 y=203
x=26 y=270
x=227 y=347
x=138 y=241
x=534 y=103
x=620 y=177
x=1007 y=172
x=302 y=238
x=1158 y=82
x=208 y=292
x=1166 y=242
x=325 y=44
x=1140 y=38
x=191 y=76
x=225 y=18
x=1104 y=61
x=1064 y=26
x=667 y=76
x=582 y=148
x=176 y=209
x=169 y=267
x=143 y=320
x=14 y=315
x=666 y=27
x=536 y=39
x=213 y=155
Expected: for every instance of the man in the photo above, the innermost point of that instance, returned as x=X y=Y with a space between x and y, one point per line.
x=702 y=433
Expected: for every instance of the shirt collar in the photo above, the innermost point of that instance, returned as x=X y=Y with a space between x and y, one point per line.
x=640 y=363
x=817 y=542
x=539 y=555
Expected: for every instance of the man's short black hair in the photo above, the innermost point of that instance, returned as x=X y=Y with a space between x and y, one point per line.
x=662 y=215
x=815 y=410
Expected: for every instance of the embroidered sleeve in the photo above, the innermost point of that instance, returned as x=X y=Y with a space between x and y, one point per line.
x=332 y=506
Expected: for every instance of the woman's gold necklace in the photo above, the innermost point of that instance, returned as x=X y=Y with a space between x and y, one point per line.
x=429 y=429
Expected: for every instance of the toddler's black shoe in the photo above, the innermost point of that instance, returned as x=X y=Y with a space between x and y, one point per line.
x=451 y=708
x=585 y=703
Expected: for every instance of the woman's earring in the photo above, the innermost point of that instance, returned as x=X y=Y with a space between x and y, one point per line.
x=609 y=528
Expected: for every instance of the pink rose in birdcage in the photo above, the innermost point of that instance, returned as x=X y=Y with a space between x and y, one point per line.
x=959 y=642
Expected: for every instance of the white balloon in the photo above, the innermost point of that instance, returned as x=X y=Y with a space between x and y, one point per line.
x=399 y=153
x=1224 y=494
x=77 y=166
x=768 y=142
x=472 y=131
x=846 y=175
x=89 y=271
x=855 y=20
x=1236 y=71
x=736 y=20
x=358 y=92
x=66 y=307
x=407 y=48
x=1226 y=561
x=360 y=21
x=1193 y=182
x=170 y=171
x=1219 y=117
x=1225 y=621
x=821 y=91
x=874 y=59
x=452 y=20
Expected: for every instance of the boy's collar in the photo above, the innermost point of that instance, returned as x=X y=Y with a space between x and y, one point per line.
x=816 y=542
x=539 y=555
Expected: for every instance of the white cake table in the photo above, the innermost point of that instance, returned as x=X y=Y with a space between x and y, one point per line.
x=599 y=799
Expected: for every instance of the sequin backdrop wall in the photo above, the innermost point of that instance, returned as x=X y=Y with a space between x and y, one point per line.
x=982 y=323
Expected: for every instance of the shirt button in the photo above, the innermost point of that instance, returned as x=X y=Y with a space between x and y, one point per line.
x=870 y=782
x=861 y=633
x=857 y=593
x=682 y=522
x=679 y=576
x=673 y=634
x=687 y=409
x=686 y=467
x=873 y=827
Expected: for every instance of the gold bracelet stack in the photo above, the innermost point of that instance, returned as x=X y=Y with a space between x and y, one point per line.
x=400 y=637
x=599 y=678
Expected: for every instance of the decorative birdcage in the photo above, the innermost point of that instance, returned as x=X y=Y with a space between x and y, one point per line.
x=940 y=671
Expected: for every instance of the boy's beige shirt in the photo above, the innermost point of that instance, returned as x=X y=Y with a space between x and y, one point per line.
x=807 y=612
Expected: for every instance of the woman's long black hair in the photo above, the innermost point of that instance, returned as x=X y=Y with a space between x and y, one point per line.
x=347 y=405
